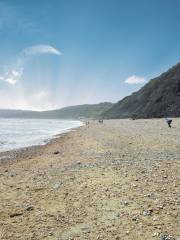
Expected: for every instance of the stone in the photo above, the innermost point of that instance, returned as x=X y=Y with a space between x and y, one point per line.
x=166 y=237
x=29 y=208
x=56 y=152
x=156 y=218
x=16 y=214
x=12 y=174
x=147 y=212
x=135 y=218
x=155 y=234
x=56 y=186
x=134 y=185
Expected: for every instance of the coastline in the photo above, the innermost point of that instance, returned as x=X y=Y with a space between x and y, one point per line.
x=31 y=151
x=117 y=180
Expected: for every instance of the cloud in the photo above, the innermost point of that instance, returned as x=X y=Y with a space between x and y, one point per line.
x=12 y=77
x=135 y=80
x=10 y=80
x=41 y=49
x=16 y=73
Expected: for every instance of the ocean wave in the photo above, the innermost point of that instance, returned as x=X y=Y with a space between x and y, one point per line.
x=19 y=133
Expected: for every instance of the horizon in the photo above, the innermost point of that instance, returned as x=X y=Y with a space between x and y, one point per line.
x=83 y=52
x=14 y=109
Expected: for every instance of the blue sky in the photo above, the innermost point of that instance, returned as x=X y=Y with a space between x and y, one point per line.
x=66 y=52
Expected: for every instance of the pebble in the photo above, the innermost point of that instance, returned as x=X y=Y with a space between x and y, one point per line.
x=134 y=185
x=156 y=218
x=155 y=234
x=135 y=218
x=148 y=212
x=12 y=174
x=29 y=208
x=56 y=186
x=15 y=214
x=166 y=237
x=56 y=152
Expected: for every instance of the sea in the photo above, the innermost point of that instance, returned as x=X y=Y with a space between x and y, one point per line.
x=20 y=133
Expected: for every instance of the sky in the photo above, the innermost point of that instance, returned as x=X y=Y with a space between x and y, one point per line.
x=66 y=52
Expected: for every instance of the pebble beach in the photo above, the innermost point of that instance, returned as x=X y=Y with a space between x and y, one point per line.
x=113 y=181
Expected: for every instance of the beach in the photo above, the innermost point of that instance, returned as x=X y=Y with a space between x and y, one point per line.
x=117 y=180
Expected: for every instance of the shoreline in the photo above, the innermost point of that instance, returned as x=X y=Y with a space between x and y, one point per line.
x=117 y=180
x=26 y=133
x=19 y=153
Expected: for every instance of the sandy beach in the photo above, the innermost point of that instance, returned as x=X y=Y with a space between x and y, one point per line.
x=117 y=181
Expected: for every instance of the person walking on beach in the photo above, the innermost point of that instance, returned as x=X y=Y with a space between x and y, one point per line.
x=169 y=121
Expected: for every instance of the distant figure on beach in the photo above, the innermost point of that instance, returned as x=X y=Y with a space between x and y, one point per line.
x=87 y=123
x=100 y=120
x=169 y=121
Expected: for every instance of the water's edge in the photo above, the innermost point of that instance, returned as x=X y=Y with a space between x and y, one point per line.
x=35 y=135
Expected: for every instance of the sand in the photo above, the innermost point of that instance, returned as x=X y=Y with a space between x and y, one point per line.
x=117 y=180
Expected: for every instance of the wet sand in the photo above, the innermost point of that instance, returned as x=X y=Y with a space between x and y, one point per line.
x=117 y=180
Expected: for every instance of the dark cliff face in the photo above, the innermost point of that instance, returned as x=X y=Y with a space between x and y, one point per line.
x=158 y=98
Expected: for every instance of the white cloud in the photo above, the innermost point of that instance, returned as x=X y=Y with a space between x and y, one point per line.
x=12 y=76
x=10 y=80
x=135 y=80
x=41 y=49
x=16 y=73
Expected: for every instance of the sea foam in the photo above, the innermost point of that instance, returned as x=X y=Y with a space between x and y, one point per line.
x=19 y=133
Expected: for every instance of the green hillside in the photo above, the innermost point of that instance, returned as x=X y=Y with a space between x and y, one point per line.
x=72 y=112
